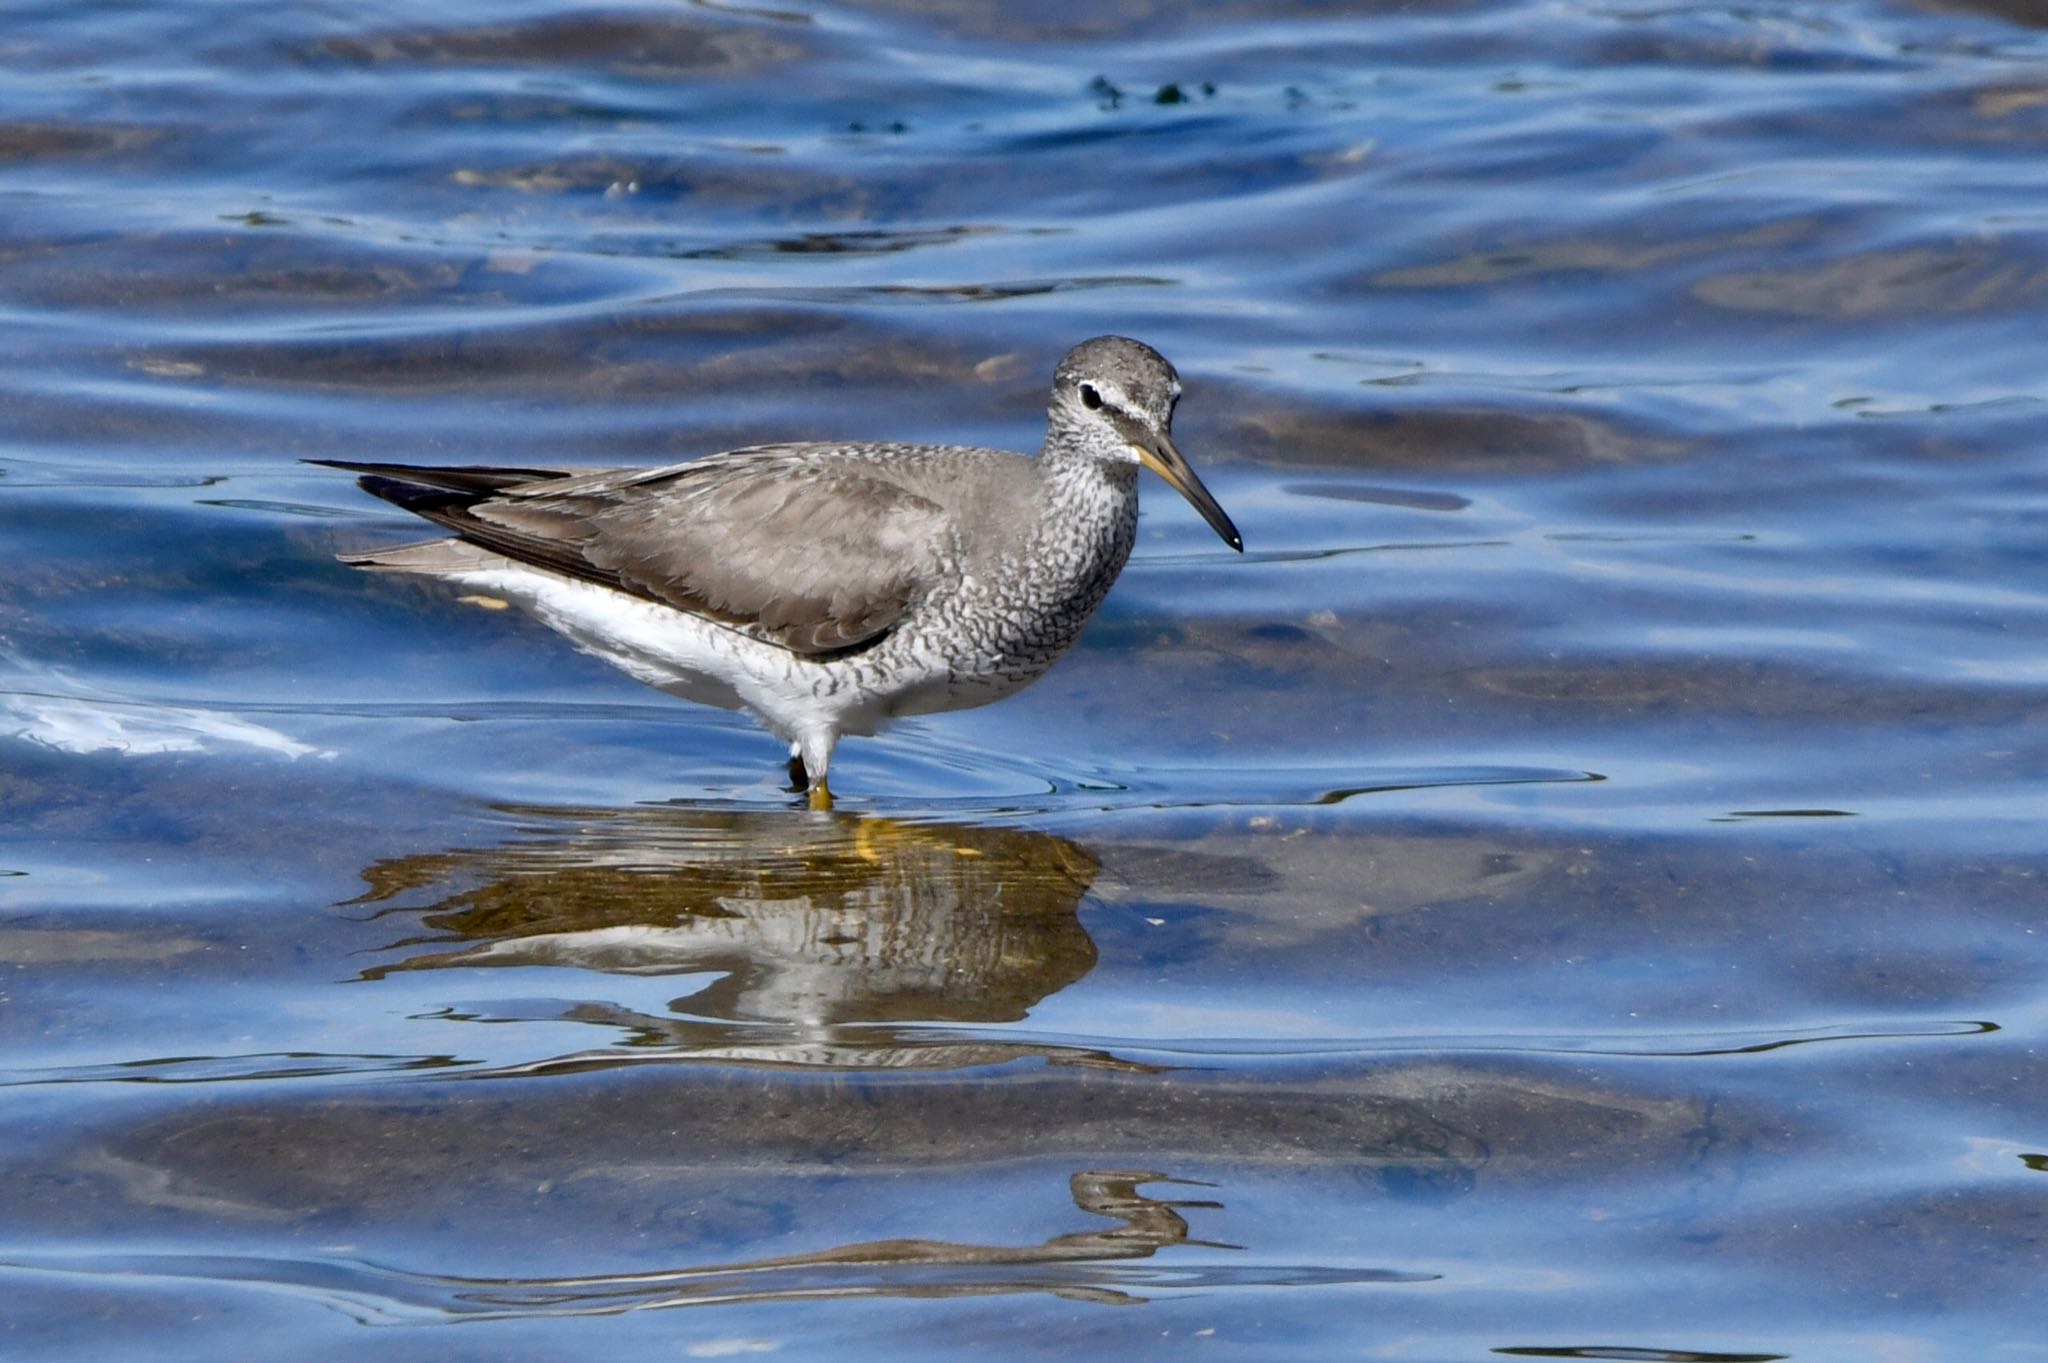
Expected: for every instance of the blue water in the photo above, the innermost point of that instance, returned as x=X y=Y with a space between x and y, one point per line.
x=1574 y=888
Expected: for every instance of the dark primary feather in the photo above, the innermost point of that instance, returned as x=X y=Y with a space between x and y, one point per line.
x=457 y=478
x=822 y=556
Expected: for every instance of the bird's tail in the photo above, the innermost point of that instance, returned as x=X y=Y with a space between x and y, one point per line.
x=478 y=481
x=442 y=556
x=439 y=493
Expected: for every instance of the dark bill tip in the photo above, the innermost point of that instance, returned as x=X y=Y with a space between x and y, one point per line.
x=1163 y=458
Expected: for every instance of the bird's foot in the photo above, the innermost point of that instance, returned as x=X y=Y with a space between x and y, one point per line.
x=799 y=779
x=820 y=795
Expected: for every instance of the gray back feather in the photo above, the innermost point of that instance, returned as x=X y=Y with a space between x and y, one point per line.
x=809 y=547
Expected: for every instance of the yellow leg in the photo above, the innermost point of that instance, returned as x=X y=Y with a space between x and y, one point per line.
x=820 y=794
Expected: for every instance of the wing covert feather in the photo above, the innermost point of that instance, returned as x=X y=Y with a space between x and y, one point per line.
x=819 y=557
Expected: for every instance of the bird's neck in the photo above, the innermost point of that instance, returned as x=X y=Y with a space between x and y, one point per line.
x=1092 y=518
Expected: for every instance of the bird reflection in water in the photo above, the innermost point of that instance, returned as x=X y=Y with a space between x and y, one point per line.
x=831 y=934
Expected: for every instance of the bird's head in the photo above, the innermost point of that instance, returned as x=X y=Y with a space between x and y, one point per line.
x=1113 y=398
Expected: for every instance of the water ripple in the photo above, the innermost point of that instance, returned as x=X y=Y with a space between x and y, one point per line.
x=1079 y=1266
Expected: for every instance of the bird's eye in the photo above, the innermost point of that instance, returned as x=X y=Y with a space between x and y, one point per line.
x=1089 y=397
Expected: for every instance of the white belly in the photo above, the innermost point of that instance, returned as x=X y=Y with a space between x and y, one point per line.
x=698 y=659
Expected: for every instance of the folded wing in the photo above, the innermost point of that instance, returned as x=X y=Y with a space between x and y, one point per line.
x=819 y=555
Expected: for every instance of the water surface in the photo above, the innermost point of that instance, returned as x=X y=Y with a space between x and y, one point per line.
x=1573 y=889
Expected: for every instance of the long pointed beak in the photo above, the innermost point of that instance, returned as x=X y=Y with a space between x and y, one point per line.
x=1163 y=457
